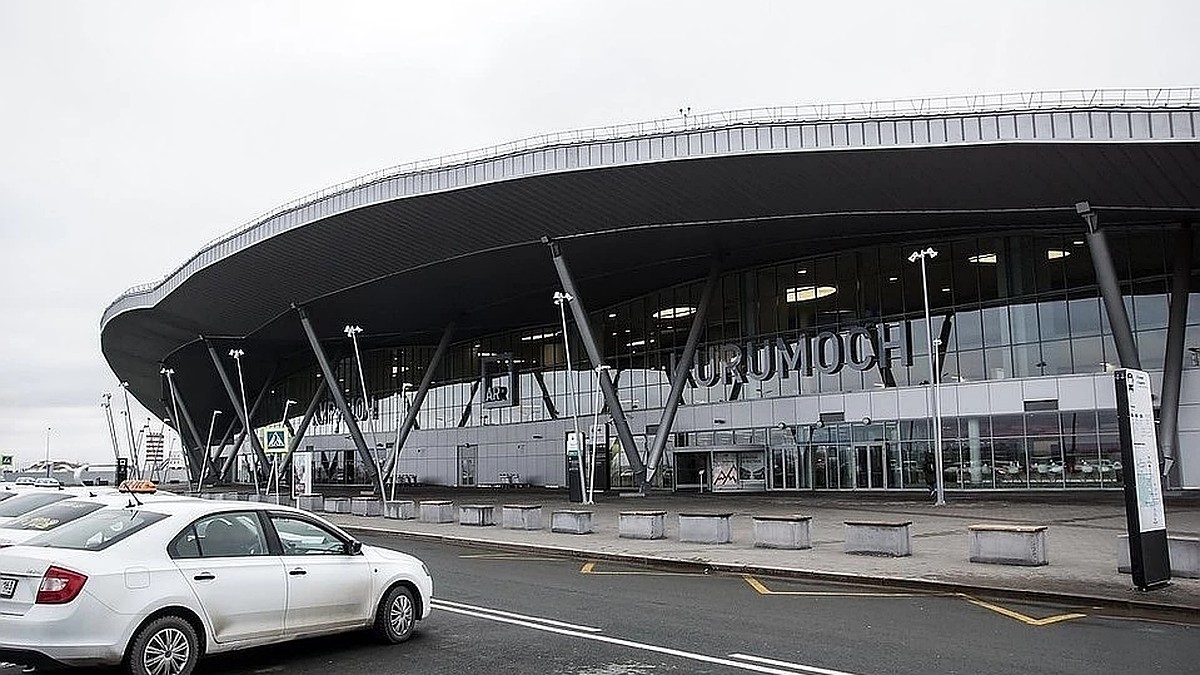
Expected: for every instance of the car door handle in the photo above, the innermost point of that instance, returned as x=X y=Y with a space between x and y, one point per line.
x=205 y=576
x=298 y=572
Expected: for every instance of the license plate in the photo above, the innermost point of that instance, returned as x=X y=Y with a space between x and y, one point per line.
x=8 y=587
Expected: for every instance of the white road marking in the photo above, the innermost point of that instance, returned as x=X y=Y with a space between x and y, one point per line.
x=797 y=667
x=528 y=622
x=446 y=604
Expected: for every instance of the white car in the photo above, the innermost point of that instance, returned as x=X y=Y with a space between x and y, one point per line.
x=156 y=587
x=23 y=502
x=46 y=518
x=47 y=482
x=25 y=480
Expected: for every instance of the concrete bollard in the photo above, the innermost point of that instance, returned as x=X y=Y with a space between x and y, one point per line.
x=478 y=515
x=571 y=522
x=705 y=528
x=366 y=506
x=436 y=511
x=1007 y=544
x=401 y=510
x=642 y=525
x=784 y=532
x=311 y=502
x=521 y=516
x=337 y=505
x=1184 y=552
x=892 y=538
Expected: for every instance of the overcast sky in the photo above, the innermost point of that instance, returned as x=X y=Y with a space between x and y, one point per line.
x=134 y=132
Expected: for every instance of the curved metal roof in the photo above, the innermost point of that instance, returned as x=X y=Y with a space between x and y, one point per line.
x=642 y=206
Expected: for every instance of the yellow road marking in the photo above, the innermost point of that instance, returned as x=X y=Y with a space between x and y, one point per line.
x=590 y=568
x=763 y=590
x=1003 y=611
x=1027 y=620
x=507 y=556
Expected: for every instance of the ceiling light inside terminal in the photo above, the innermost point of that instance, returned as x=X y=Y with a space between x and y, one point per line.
x=983 y=259
x=637 y=343
x=808 y=293
x=1056 y=254
x=538 y=336
x=674 y=312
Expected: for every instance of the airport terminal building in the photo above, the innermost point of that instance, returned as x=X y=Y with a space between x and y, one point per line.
x=782 y=299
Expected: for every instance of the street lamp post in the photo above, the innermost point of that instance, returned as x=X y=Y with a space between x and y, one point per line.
x=561 y=299
x=237 y=355
x=212 y=422
x=352 y=333
x=936 y=408
x=49 y=471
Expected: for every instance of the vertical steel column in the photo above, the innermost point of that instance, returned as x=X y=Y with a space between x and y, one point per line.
x=298 y=434
x=1110 y=289
x=331 y=382
x=237 y=405
x=410 y=417
x=262 y=395
x=679 y=377
x=1181 y=281
x=596 y=359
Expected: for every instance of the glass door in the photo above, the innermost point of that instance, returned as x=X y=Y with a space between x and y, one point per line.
x=468 y=459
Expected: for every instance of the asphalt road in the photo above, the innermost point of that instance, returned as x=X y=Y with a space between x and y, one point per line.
x=504 y=613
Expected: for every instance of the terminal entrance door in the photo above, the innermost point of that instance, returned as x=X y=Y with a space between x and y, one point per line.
x=468 y=460
x=869 y=466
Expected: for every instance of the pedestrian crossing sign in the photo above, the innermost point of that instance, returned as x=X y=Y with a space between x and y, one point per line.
x=275 y=440
x=6 y=460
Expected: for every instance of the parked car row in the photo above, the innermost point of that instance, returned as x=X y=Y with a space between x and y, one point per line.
x=153 y=581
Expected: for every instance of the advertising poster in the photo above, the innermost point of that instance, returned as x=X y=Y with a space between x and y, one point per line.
x=302 y=478
x=1149 y=555
x=725 y=472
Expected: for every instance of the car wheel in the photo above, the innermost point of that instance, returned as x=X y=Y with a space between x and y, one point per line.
x=166 y=646
x=397 y=616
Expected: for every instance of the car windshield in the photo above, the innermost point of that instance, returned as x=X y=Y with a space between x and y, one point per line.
x=98 y=530
x=50 y=517
x=28 y=501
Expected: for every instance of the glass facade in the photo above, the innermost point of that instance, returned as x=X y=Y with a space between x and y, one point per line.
x=1023 y=305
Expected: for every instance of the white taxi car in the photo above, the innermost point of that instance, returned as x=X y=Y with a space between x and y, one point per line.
x=155 y=587
x=46 y=518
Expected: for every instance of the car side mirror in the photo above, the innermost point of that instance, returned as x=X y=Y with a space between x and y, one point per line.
x=354 y=547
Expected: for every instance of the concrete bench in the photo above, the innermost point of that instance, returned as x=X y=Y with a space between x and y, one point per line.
x=521 y=516
x=337 y=505
x=705 y=528
x=790 y=532
x=642 y=525
x=404 y=509
x=311 y=502
x=479 y=515
x=436 y=512
x=366 y=506
x=879 y=537
x=1008 y=544
x=1184 y=552
x=571 y=522
x=229 y=496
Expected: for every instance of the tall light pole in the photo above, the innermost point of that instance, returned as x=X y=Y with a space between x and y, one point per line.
x=133 y=446
x=49 y=473
x=936 y=409
x=212 y=422
x=237 y=355
x=352 y=333
x=561 y=299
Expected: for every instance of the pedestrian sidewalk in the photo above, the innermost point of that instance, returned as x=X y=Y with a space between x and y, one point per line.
x=1082 y=542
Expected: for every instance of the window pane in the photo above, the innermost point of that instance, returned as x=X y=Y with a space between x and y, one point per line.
x=231 y=534
x=300 y=537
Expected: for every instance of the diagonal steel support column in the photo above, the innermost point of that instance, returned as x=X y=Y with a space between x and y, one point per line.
x=198 y=456
x=298 y=432
x=241 y=438
x=238 y=405
x=1110 y=289
x=1181 y=278
x=596 y=358
x=680 y=376
x=331 y=384
x=410 y=417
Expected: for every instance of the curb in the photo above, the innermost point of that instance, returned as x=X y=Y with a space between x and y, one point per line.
x=931 y=586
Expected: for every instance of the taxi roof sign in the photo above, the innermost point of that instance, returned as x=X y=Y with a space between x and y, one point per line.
x=144 y=487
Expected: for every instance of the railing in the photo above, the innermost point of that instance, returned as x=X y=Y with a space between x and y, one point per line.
x=909 y=107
